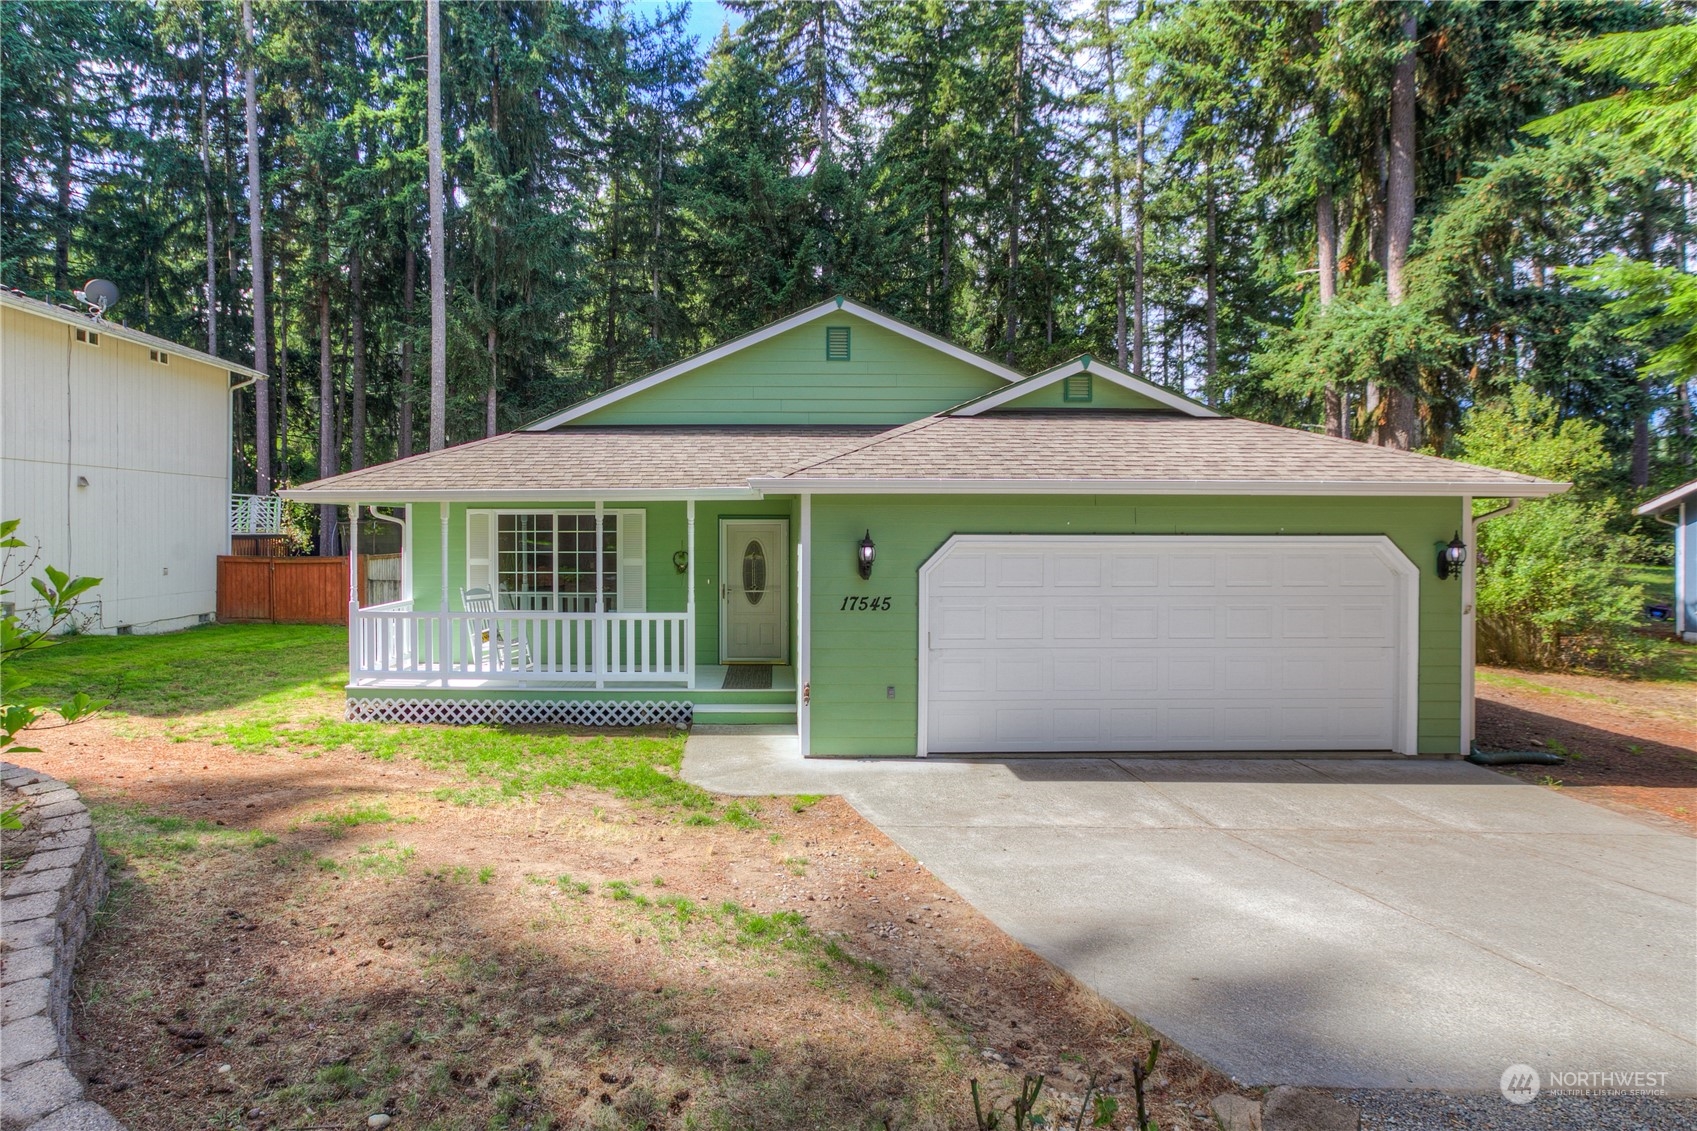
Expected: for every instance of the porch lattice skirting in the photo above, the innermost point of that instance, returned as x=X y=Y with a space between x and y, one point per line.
x=510 y=712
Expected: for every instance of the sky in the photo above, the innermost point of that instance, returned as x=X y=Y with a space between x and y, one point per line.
x=706 y=17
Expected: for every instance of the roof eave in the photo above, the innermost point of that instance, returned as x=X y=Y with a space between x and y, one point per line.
x=341 y=494
x=1432 y=488
x=27 y=305
x=1667 y=500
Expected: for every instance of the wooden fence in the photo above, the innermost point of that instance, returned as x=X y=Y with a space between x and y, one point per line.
x=294 y=590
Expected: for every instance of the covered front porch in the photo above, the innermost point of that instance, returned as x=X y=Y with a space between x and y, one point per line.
x=598 y=596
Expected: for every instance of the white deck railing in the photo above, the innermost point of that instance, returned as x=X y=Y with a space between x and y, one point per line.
x=256 y=514
x=393 y=641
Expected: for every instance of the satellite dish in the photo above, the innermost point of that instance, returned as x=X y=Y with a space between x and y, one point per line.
x=99 y=295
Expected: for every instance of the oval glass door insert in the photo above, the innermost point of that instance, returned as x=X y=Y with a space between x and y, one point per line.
x=754 y=573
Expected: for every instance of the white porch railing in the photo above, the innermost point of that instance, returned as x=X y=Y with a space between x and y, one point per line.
x=256 y=514
x=393 y=641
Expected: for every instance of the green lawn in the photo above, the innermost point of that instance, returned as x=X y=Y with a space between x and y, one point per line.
x=273 y=687
x=1656 y=580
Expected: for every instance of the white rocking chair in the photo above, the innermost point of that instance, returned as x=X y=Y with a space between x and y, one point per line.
x=496 y=652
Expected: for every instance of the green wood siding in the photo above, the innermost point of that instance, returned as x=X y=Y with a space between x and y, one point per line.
x=667 y=527
x=889 y=379
x=1104 y=394
x=857 y=655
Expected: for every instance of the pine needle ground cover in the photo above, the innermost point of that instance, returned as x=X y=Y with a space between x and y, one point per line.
x=315 y=921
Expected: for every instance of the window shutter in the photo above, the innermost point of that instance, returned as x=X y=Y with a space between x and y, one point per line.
x=480 y=550
x=633 y=561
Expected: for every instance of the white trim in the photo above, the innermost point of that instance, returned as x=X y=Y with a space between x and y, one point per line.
x=726 y=521
x=1667 y=499
x=406 y=557
x=1469 y=627
x=520 y=495
x=823 y=310
x=1407 y=724
x=804 y=627
x=26 y=305
x=1083 y=364
x=689 y=584
x=1680 y=559
x=867 y=486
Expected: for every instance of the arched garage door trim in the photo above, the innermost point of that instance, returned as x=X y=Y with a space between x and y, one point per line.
x=1405 y=722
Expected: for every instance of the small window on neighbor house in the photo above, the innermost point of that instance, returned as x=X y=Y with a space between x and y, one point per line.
x=836 y=343
x=89 y=337
x=1076 y=388
x=160 y=356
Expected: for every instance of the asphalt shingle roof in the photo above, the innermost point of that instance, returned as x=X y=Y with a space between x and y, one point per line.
x=1123 y=447
x=1074 y=450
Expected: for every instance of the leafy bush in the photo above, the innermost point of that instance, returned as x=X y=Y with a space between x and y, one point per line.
x=1549 y=589
x=57 y=594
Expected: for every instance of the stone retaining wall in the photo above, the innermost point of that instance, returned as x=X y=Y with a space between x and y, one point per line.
x=43 y=918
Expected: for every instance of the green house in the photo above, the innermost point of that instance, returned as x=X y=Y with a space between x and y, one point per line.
x=847 y=526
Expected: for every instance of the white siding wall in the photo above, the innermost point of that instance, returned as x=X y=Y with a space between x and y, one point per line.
x=153 y=441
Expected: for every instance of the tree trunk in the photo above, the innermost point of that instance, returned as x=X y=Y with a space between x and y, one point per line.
x=1115 y=173
x=1397 y=413
x=282 y=418
x=1213 y=283
x=438 y=240
x=211 y=228
x=1326 y=241
x=1642 y=401
x=1139 y=308
x=409 y=291
x=494 y=383
x=356 y=426
x=328 y=463
x=62 y=182
x=1015 y=181
x=256 y=253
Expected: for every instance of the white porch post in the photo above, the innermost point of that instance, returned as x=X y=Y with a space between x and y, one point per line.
x=600 y=621
x=689 y=592
x=353 y=592
x=804 y=628
x=442 y=619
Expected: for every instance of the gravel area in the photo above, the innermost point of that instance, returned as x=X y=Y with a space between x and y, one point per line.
x=1429 y=1111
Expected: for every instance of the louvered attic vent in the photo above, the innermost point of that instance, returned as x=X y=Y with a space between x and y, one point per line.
x=836 y=343
x=1076 y=388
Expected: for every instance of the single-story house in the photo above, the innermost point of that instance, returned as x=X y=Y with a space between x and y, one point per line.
x=115 y=455
x=1681 y=502
x=847 y=525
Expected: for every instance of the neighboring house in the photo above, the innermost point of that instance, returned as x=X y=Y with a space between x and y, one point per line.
x=1682 y=503
x=934 y=554
x=115 y=454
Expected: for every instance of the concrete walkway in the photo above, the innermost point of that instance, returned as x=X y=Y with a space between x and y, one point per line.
x=1324 y=922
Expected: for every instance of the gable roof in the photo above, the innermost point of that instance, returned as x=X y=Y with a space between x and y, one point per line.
x=725 y=349
x=1063 y=452
x=1667 y=500
x=1084 y=363
x=83 y=321
x=615 y=462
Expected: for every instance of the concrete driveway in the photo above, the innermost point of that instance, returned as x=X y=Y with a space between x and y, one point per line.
x=1342 y=923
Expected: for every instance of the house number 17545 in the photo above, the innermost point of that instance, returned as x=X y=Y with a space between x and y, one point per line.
x=865 y=605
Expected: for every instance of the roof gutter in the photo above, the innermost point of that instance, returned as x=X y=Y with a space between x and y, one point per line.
x=393 y=497
x=1429 y=488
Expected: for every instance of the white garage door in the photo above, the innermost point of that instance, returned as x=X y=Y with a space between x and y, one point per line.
x=1148 y=643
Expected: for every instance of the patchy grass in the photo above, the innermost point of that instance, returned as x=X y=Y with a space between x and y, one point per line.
x=268 y=688
x=1657 y=581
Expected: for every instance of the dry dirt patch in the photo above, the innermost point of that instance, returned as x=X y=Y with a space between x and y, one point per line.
x=1631 y=745
x=300 y=941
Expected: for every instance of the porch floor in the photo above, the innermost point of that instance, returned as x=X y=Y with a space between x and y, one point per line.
x=708 y=677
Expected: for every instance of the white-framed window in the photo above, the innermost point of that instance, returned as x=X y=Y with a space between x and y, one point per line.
x=544 y=561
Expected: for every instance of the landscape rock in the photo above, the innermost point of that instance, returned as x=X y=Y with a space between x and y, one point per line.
x=1236 y=1113
x=37 y=1090
x=1297 y=1109
x=83 y=1116
x=378 y=1120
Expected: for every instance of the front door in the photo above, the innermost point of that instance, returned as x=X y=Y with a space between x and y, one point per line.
x=754 y=591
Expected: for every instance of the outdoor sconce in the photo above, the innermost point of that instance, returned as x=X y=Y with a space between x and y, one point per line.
x=1451 y=558
x=866 y=553
x=680 y=561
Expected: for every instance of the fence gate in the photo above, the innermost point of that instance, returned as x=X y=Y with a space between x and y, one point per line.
x=297 y=590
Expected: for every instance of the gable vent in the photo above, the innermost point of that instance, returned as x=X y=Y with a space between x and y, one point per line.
x=1076 y=388
x=836 y=343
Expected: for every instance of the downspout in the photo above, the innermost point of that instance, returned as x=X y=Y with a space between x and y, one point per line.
x=1679 y=551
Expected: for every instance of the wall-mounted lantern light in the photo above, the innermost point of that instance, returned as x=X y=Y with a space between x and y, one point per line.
x=866 y=553
x=680 y=561
x=1451 y=558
